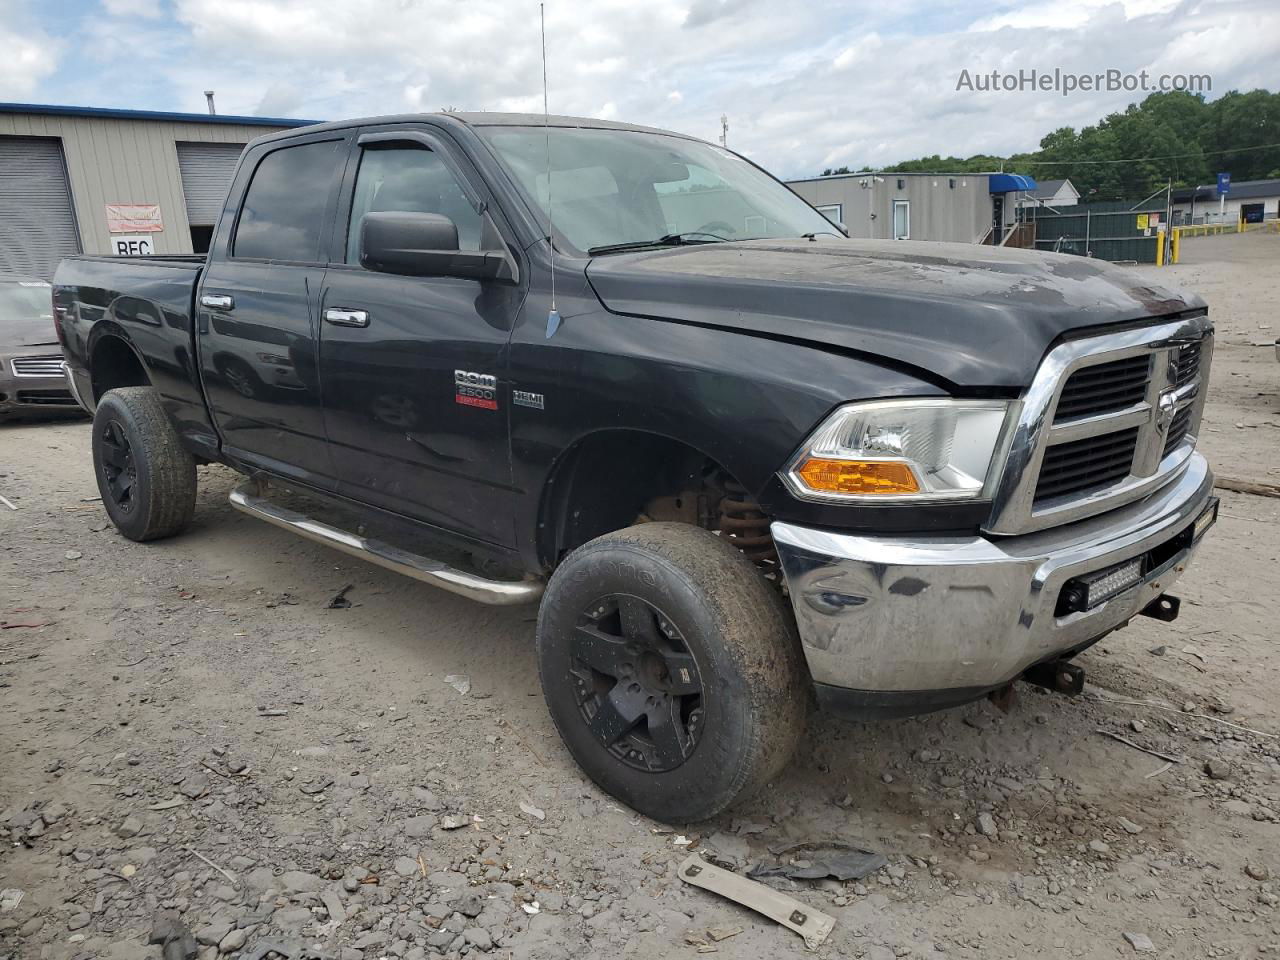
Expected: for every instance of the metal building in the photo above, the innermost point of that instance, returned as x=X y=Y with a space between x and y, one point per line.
x=90 y=180
x=963 y=207
x=1252 y=201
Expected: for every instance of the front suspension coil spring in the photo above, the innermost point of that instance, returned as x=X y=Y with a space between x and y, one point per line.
x=746 y=526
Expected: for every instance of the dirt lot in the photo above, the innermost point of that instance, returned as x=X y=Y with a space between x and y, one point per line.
x=187 y=726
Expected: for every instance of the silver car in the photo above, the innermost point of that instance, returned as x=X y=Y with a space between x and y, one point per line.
x=31 y=377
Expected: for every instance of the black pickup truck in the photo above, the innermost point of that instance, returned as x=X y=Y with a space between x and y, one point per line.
x=744 y=461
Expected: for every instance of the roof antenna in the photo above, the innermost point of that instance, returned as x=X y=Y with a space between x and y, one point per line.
x=553 y=317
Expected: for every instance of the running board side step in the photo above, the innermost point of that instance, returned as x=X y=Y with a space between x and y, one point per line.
x=495 y=592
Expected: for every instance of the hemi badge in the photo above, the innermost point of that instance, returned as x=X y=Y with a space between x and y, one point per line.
x=526 y=398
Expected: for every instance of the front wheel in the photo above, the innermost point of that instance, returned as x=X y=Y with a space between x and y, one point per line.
x=146 y=477
x=671 y=669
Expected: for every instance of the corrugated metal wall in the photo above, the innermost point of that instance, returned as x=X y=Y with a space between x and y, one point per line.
x=1107 y=230
x=124 y=160
x=37 y=222
x=206 y=169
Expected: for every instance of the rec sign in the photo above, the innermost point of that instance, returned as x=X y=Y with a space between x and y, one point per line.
x=139 y=246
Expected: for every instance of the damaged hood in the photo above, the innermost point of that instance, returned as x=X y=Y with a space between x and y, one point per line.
x=973 y=315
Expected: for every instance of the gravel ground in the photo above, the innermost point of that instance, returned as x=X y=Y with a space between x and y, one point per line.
x=189 y=730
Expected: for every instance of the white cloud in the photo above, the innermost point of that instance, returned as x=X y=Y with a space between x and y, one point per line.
x=805 y=85
x=1068 y=14
x=30 y=54
x=860 y=51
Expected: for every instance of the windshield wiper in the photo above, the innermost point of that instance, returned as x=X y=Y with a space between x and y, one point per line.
x=670 y=240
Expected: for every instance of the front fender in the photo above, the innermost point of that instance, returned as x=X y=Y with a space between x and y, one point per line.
x=747 y=402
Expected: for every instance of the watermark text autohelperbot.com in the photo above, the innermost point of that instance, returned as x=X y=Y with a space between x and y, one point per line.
x=1066 y=83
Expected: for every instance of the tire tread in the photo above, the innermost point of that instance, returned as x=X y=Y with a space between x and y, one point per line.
x=171 y=469
x=758 y=627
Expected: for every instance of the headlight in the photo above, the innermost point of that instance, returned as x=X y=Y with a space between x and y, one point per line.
x=900 y=450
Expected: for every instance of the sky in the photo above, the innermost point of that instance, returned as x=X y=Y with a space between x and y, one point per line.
x=805 y=85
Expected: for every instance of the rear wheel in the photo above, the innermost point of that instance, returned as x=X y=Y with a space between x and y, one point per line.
x=146 y=477
x=671 y=668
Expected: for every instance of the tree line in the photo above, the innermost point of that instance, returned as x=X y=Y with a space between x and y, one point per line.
x=1190 y=138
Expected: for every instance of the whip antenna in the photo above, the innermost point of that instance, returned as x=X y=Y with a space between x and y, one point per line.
x=553 y=317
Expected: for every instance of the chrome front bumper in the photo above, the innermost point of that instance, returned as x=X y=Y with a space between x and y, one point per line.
x=909 y=620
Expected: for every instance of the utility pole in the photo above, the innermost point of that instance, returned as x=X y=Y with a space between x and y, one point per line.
x=724 y=130
x=208 y=95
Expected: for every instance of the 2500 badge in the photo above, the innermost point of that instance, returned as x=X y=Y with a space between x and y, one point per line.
x=475 y=389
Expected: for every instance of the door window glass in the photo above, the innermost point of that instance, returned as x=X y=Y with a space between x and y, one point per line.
x=901 y=220
x=409 y=180
x=284 y=206
x=832 y=211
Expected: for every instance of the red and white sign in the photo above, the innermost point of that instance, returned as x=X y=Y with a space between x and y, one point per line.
x=134 y=218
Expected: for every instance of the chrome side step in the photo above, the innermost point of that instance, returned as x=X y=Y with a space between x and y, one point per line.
x=496 y=592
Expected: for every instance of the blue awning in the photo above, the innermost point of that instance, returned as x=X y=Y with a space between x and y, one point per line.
x=1010 y=182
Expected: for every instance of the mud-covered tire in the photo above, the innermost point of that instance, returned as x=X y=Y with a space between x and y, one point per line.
x=711 y=605
x=146 y=477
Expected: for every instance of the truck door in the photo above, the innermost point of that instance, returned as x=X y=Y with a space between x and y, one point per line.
x=258 y=303
x=413 y=366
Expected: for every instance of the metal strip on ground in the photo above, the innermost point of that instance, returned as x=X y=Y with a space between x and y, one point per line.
x=811 y=924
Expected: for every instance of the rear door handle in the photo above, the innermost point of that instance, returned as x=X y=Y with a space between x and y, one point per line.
x=217 y=301
x=342 y=317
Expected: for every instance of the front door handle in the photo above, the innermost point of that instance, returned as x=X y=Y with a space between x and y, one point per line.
x=343 y=317
x=217 y=301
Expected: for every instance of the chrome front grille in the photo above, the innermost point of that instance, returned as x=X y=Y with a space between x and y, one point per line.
x=47 y=366
x=1104 y=388
x=1106 y=421
x=1186 y=362
x=1178 y=430
x=1083 y=465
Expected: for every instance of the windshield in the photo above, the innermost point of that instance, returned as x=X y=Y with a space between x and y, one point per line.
x=26 y=313
x=611 y=187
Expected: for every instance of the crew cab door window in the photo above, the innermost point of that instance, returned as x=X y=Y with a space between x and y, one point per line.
x=411 y=180
x=282 y=217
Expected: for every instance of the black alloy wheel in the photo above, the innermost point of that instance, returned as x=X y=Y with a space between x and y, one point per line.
x=118 y=469
x=671 y=668
x=639 y=688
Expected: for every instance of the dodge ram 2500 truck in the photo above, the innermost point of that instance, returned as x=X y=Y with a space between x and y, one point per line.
x=743 y=460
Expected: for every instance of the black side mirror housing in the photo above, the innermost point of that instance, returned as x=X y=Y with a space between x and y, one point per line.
x=424 y=245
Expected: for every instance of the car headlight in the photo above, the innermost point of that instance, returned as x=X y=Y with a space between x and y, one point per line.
x=934 y=449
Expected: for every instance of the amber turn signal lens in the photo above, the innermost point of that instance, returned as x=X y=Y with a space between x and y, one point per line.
x=857 y=476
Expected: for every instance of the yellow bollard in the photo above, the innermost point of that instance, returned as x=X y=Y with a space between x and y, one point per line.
x=1159 y=248
x=1175 y=250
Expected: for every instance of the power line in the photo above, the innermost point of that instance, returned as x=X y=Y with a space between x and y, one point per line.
x=1174 y=156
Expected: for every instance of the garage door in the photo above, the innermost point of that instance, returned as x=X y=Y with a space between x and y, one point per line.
x=37 y=220
x=206 y=176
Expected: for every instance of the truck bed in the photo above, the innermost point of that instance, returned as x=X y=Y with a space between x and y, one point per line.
x=149 y=302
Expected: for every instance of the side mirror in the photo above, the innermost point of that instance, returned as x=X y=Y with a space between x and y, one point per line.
x=424 y=245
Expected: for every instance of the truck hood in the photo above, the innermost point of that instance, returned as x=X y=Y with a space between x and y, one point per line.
x=37 y=332
x=972 y=315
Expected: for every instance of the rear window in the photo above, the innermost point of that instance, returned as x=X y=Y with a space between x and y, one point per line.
x=283 y=213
